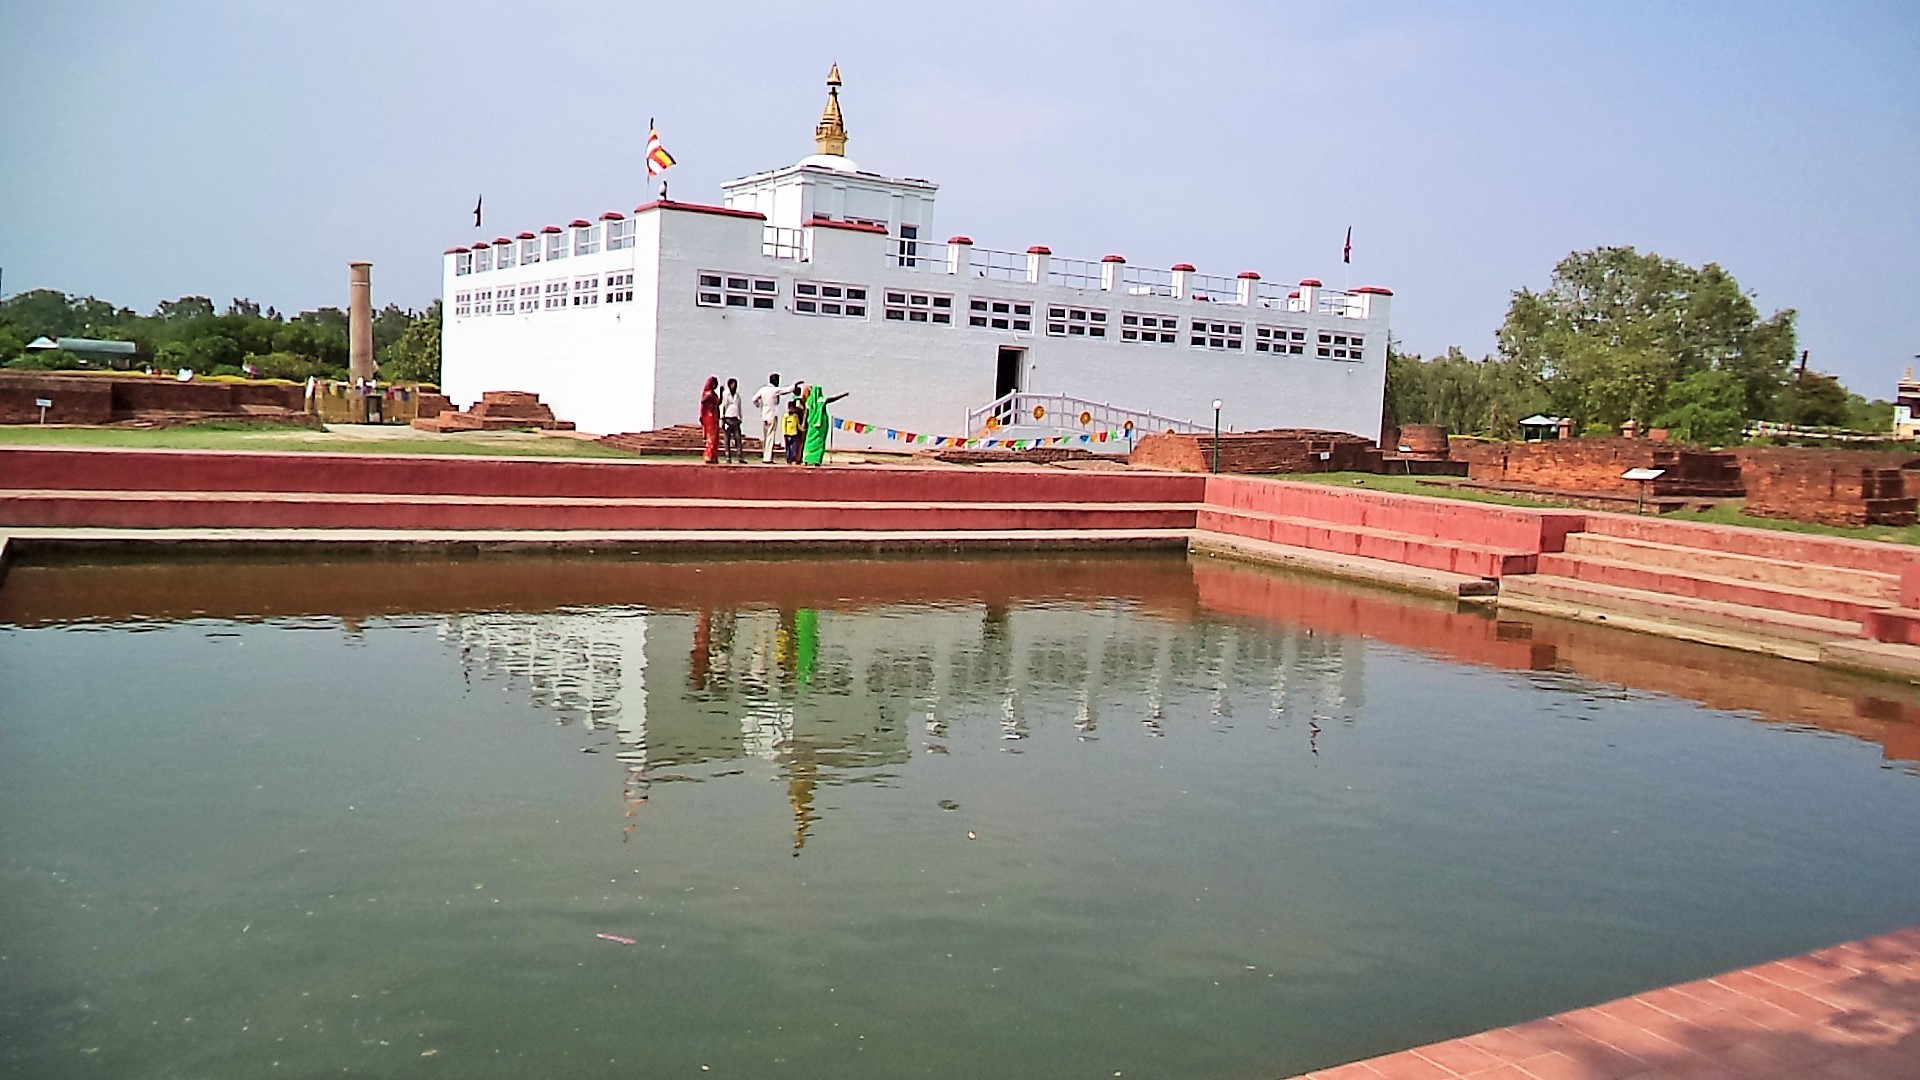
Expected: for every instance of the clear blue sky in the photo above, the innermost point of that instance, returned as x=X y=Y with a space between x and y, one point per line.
x=247 y=148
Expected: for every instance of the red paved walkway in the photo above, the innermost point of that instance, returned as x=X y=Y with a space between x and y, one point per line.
x=1851 y=1012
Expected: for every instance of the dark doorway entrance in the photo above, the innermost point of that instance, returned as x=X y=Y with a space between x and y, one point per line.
x=1007 y=378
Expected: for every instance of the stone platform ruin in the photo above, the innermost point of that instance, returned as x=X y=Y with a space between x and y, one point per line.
x=497 y=410
x=1279 y=450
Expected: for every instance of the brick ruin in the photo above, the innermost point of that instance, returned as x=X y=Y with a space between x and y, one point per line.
x=110 y=399
x=1830 y=487
x=1594 y=466
x=1280 y=450
x=497 y=410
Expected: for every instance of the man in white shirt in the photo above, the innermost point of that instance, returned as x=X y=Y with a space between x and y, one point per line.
x=732 y=444
x=768 y=398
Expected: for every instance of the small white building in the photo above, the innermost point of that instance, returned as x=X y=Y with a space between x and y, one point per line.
x=828 y=273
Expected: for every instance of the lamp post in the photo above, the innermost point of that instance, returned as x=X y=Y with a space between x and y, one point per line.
x=1216 y=435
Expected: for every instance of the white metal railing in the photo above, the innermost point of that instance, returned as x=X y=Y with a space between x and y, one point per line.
x=1064 y=412
x=1219 y=290
x=783 y=243
x=1144 y=281
x=1073 y=273
x=909 y=254
x=997 y=265
x=1334 y=302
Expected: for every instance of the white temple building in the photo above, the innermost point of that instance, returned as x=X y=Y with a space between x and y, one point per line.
x=825 y=272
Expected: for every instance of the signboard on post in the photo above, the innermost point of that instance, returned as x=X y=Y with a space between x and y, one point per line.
x=1643 y=476
x=43 y=404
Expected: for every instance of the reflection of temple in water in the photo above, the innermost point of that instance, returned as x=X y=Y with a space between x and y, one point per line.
x=833 y=697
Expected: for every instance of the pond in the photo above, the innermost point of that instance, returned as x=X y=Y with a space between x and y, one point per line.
x=1138 y=816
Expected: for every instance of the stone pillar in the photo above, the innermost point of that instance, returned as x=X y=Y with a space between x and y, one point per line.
x=1113 y=274
x=1248 y=288
x=360 y=320
x=1182 y=280
x=1037 y=257
x=960 y=255
x=1309 y=295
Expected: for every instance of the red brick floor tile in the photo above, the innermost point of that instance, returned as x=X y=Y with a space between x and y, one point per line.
x=1358 y=1070
x=1503 y=1072
x=1634 y=1011
x=1797 y=1003
x=1675 y=1003
x=1407 y=1065
x=1505 y=1044
x=1458 y=1056
x=1786 y=974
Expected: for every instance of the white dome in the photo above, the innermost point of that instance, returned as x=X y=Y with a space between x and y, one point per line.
x=835 y=162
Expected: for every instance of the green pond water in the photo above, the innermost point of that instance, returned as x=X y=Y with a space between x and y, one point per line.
x=889 y=818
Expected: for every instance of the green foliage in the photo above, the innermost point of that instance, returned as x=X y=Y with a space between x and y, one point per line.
x=1466 y=396
x=1869 y=416
x=1816 y=400
x=1617 y=328
x=415 y=357
x=191 y=333
x=285 y=365
x=46 y=360
x=1705 y=407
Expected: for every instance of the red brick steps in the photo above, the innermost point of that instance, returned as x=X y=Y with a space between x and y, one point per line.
x=1703 y=586
x=249 y=510
x=1898 y=626
x=1760 y=543
x=1584 y=597
x=1368 y=543
x=1865 y=584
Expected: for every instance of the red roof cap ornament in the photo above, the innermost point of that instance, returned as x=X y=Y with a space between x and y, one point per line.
x=456 y=251
x=1374 y=290
x=1039 y=249
x=551 y=229
x=611 y=216
x=959 y=239
x=1294 y=295
x=479 y=244
x=501 y=240
x=1113 y=258
x=582 y=223
x=1188 y=267
x=526 y=236
x=1309 y=283
x=1250 y=275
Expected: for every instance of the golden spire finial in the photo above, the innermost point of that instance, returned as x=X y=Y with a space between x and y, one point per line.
x=830 y=134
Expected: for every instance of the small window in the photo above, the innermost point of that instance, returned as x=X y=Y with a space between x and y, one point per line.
x=620 y=287
x=503 y=255
x=556 y=295
x=530 y=297
x=529 y=251
x=1222 y=336
x=1144 y=329
x=556 y=246
x=1064 y=321
x=720 y=289
x=483 y=302
x=482 y=260
x=586 y=239
x=1280 y=340
x=462 y=304
x=1340 y=346
x=463 y=264
x=586 y=291
x=988 y=313
x=902 y=305
x=831 y=299
x=619 y=235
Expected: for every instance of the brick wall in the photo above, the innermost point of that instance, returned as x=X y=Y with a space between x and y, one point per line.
x=75 y=401
x=1596 y=465
x=1831 y=487
x=1277 y=451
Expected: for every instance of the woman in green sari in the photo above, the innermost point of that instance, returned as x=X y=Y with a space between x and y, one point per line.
x=817 y=423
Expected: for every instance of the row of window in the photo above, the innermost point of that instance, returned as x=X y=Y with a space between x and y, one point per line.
x=838 y=300
x=580 y=240
x=828 y=299
x=589 y=290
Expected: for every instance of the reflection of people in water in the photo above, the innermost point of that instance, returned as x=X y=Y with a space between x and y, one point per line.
x=702 y=648
x=806 y=643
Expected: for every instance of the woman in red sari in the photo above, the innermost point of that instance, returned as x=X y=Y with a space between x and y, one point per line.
x=710 y=417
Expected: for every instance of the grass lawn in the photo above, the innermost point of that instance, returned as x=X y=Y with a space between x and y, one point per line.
x=231 y=436
x=1720 y=515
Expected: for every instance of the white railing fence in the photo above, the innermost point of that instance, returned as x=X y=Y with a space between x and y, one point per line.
x=1212 y=287
x=1073 y=273
x=909 y=254
x=1080 y=416
x=1144 y=281
x=997 y=265
x=782 y=243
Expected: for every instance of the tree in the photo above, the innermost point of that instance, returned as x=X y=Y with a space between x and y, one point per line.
x=416 y=356
x=280 y=365
x=1617 y=328
x=1464 y=395
x=184 y=309
x=1705 y=407
x=1816 y=400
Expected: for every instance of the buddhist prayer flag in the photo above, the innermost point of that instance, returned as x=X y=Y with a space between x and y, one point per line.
x=658 y=160
x=1346 y=251
x=476 y=210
